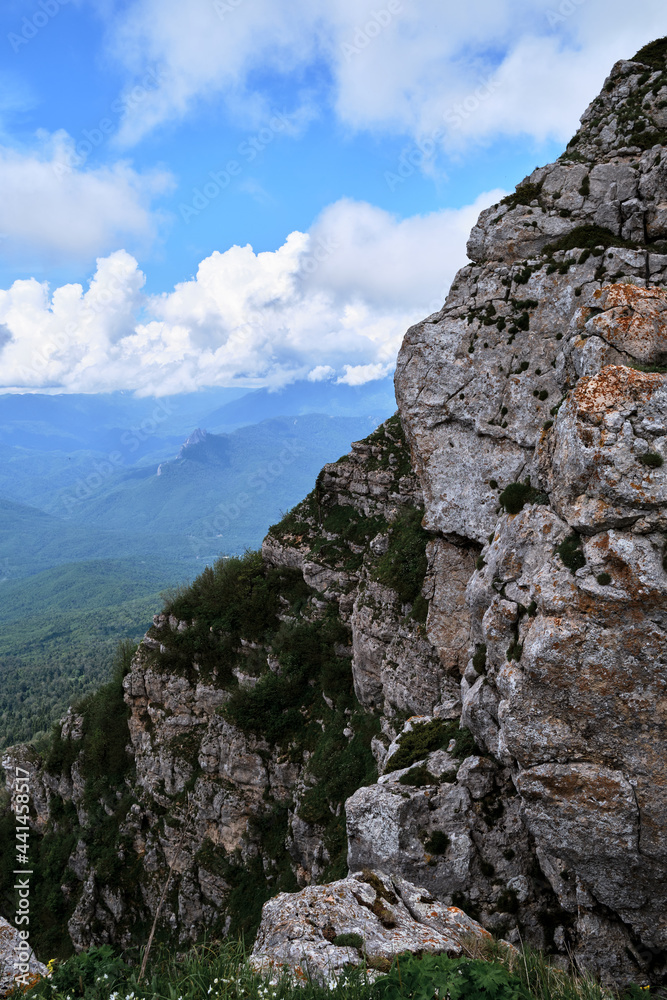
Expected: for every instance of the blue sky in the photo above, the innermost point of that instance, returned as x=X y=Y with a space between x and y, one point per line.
x=145 y=144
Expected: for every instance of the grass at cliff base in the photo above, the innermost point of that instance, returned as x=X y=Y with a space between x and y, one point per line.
x=221 y=971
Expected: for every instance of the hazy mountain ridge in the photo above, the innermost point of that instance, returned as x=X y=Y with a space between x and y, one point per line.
x=448 y=662
x=163 y=519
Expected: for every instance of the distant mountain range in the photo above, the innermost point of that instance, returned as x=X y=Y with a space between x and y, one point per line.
x=107 y=500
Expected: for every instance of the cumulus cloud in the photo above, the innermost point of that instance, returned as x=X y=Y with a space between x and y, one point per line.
x=360 y=374
x=321 y=373
x=396 y=65
x=331 y=303
x=55 y=210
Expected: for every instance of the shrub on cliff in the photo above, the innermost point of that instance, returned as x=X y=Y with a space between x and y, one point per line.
x=403 y=566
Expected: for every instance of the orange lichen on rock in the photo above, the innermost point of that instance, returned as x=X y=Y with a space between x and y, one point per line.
x=634 y=320
x=613 y=389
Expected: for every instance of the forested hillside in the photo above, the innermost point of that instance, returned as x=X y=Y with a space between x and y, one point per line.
x=89 y=539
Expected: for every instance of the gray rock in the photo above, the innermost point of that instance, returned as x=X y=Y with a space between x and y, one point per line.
x=531 y=374
x=18 y=964
x=388 y=914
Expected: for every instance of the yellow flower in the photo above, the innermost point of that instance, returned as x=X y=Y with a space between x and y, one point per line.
x=50 y=965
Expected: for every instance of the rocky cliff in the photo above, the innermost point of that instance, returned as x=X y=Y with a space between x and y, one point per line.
x=535 y=404
x=449 y=663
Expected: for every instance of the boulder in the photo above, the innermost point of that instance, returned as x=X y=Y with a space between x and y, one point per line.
x=366 y=918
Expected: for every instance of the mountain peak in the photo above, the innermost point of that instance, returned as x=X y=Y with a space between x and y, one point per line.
x=629 y=115
x=197 y=437
x=605 y=190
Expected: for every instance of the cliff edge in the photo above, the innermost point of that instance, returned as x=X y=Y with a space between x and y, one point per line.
x=447 y=669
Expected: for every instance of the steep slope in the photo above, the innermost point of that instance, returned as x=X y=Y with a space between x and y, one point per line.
x=539 y=389
x=476 y=708
x=260 y=706
x=244 y=725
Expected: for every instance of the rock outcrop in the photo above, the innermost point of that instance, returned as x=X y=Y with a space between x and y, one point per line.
x=536 y=409
x=368 y=917
x=448 y=666
x=18 y=965
x=255 y=708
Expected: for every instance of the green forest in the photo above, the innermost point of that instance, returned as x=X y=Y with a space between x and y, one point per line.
x=58 y=633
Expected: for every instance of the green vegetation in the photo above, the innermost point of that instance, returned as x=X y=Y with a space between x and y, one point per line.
x=425 y=737
x=105 y=766
x=571 y=553
x=232 y=599
x=336 y=532
x=239 y=617
x=352 y=530
x=514 y=651
x=90 y=974
x=253 y=882
x=651 y=459
x=220 y=971
x=339 y=766
x=525 y=193
x=395 y=453
x=403 y=566
x=241 y=598
x=603 y=579
x=59 y=630
x=438 y=975
x=479 y=658
x=588 y=237
x=437 y=843
x=515 y=496
x=650 y=369
x=88 y=568
x=654 y=54
x=349 y=941
x=419 y=777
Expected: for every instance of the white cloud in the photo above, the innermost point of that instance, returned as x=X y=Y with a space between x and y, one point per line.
x=54 y=211
x=334 y=302
x=367 y=254
x=321 y=373
x=398 y=65
x=360 y=374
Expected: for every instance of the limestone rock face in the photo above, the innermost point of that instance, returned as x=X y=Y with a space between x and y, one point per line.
x=594 y=464
x=456 y=828
x=239 y=814
x=12 y=958
x=480 y=586
x=388 y=914
x=542 y=373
